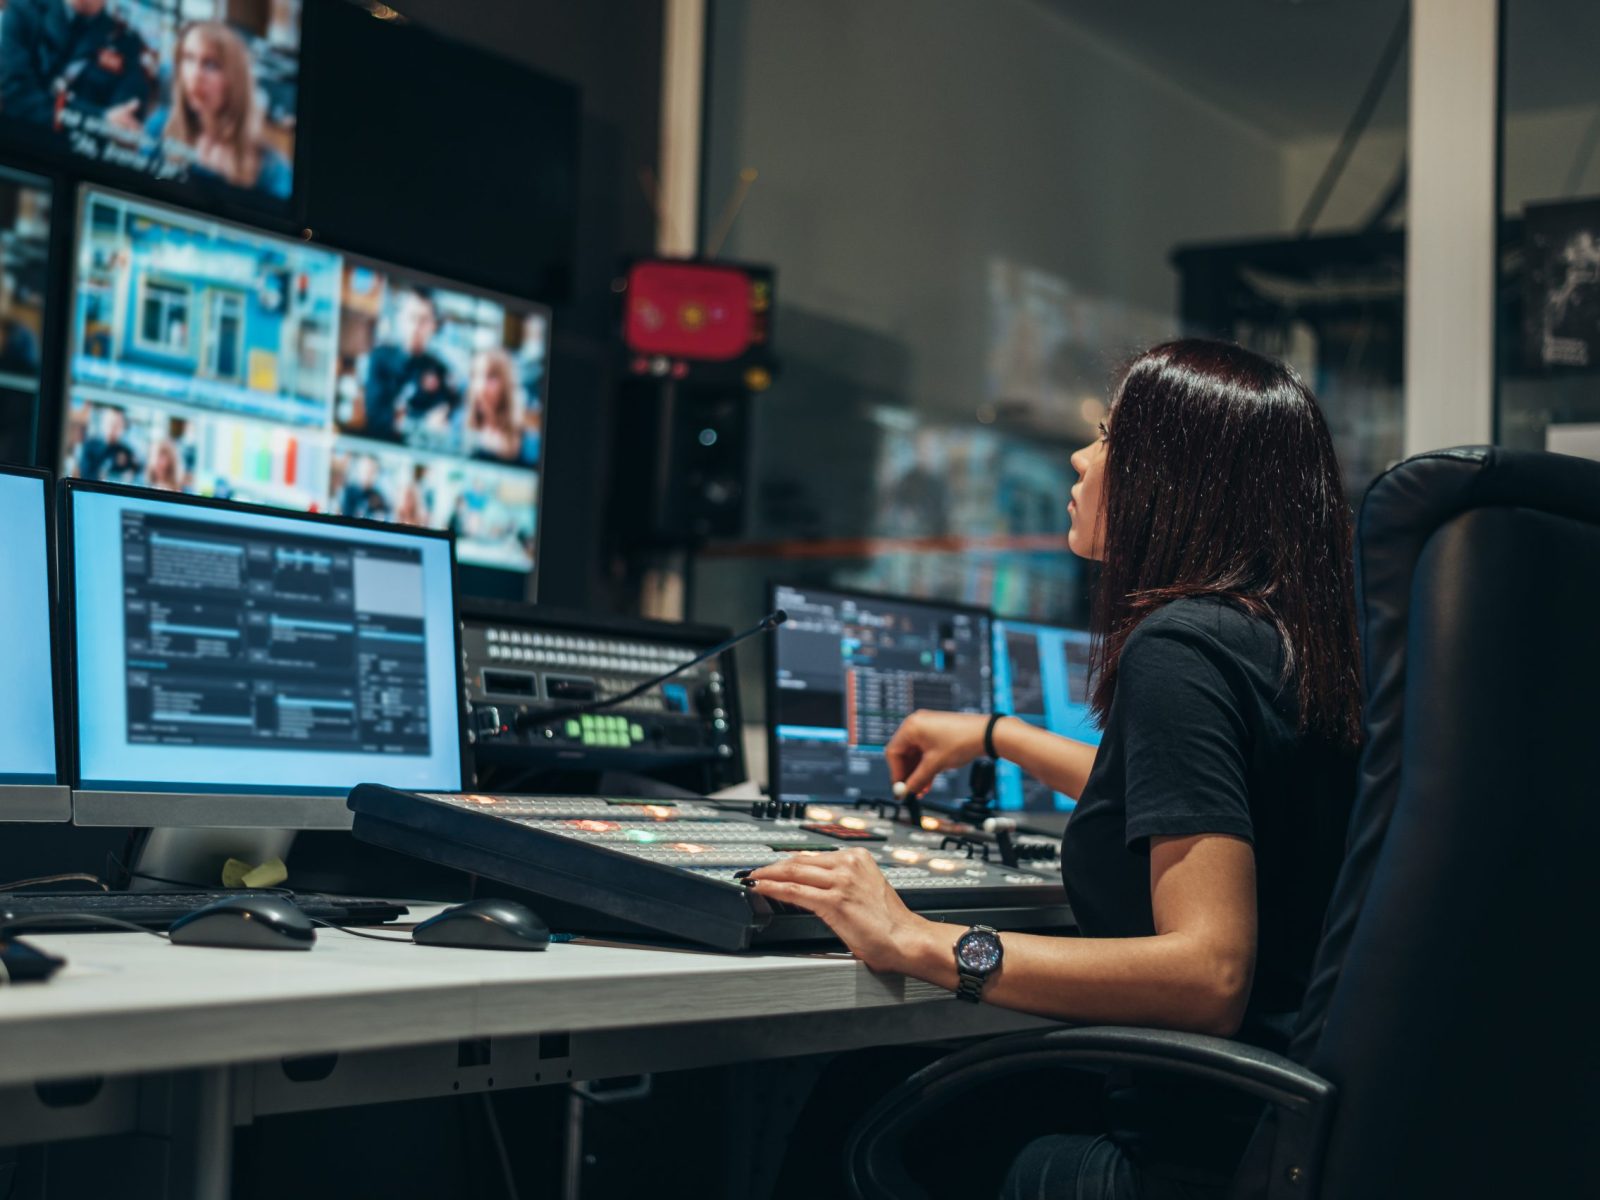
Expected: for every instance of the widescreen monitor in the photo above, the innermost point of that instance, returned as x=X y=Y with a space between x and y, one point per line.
x=213 y=359
x=846 y=669
x=240 y=666
x=202 y=95
x=29 y=783
x=1041 y=675
x=25 y=203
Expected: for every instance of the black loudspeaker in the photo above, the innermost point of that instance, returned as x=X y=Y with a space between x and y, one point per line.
x=682 y=464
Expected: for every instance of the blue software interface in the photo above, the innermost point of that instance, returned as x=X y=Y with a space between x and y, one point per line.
x=27 y=706
x=1041 y=674
x=220 y=650
x=848 y=669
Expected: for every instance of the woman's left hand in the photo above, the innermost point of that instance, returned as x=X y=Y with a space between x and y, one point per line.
x=848 y=891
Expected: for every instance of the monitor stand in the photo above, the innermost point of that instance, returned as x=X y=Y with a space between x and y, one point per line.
x=194 y=857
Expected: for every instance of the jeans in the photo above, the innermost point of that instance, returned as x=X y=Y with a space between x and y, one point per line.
x=1083 y=1166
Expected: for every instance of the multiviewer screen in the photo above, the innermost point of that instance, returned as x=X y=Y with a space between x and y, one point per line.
x=27 y=711
x=229 y=651
x=848 y=669
x=1041 y=674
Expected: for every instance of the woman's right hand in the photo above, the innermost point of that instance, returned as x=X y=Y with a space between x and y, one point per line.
x=930 y=742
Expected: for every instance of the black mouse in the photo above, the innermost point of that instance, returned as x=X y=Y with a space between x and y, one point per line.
x=485 y=925
x=246 y=923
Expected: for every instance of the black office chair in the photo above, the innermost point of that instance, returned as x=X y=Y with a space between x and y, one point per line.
x=1449 y=1044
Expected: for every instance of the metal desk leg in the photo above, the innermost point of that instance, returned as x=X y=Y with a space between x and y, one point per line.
x=210 y=1152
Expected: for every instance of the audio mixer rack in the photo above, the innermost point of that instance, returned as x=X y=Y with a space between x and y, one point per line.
x=527 y=670
x=673 y=868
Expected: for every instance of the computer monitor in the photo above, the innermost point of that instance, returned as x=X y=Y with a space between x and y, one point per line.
x=1041 y=674
x=216 y=359
x=237 y=666
x=123 y=89
x=25 y=282
x=844 y=672
x=30 y=788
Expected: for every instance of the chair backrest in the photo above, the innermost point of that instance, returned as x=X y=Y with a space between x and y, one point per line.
x=1450 y=1002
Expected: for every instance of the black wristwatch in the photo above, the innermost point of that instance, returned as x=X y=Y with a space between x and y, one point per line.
x=978 y=955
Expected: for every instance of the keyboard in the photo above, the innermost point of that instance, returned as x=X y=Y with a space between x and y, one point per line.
x=157 y=910
x=673 y=867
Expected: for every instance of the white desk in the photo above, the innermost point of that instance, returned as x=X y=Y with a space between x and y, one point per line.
x=207 y=1031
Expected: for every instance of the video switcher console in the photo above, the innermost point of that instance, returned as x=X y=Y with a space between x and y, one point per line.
x=673 y=867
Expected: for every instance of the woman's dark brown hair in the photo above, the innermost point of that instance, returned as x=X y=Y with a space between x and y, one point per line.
x=1220 y=480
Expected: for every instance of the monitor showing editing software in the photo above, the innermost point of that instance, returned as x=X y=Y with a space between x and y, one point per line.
x=1041 y=674
x=234 y=653
x=28 y=782
x=846 y=669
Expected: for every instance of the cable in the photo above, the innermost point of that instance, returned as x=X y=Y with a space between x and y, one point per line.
x=1580 y=161
x=500 y=1146
x=1358 y=123
x=44 y=920
x=371 y=937
x=41 y=880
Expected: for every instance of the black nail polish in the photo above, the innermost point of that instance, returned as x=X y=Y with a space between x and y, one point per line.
x=749 y=883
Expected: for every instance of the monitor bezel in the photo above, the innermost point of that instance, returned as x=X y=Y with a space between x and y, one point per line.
x=67 y=388
x=286 y=809
x=44 y=802
x=770 y=681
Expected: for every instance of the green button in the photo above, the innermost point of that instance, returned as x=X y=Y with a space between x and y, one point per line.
x=589 y=737
x=588 y=720
x=618 y=722
x=573 y=728
x=637 y=732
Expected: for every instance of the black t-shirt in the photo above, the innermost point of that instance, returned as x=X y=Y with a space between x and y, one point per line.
x=1203 y=737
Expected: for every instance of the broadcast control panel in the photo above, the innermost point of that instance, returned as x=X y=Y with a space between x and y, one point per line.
x=674 y=868
x=528 y=669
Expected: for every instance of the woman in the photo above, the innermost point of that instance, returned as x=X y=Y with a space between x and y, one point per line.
x=164 y=470
x=213 y=126
x=494 y=423
x=1210 y=822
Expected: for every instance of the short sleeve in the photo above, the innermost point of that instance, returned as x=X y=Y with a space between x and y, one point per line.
x=1186 y=738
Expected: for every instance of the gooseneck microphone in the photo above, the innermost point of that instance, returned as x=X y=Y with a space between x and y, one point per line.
x=549 y=716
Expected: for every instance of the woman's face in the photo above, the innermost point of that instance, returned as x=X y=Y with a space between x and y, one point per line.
x=489 y=388
x=200 y=66
x=1088 y=536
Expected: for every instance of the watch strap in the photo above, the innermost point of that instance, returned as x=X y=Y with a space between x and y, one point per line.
x=988 y=734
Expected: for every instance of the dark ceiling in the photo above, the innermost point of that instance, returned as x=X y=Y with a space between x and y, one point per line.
x=1298 y=67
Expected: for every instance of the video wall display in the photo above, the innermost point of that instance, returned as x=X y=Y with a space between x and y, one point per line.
x=24 y=278
x=202 y=93
x=216 y=360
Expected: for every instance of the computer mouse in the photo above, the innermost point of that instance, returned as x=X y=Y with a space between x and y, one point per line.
x=485 y=925
x=246 y=923
x=22 y=963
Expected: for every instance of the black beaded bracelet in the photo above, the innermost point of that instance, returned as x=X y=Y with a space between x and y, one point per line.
x=988 y=735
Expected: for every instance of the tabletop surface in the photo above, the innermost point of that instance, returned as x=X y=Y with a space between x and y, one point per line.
x=128 y=1002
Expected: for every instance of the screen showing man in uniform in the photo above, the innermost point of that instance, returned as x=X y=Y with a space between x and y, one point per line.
x=199 y=92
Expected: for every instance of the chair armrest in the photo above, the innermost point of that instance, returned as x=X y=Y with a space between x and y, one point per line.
x=874 y=1156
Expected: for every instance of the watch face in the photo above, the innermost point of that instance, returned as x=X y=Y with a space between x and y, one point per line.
x=979 y=952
